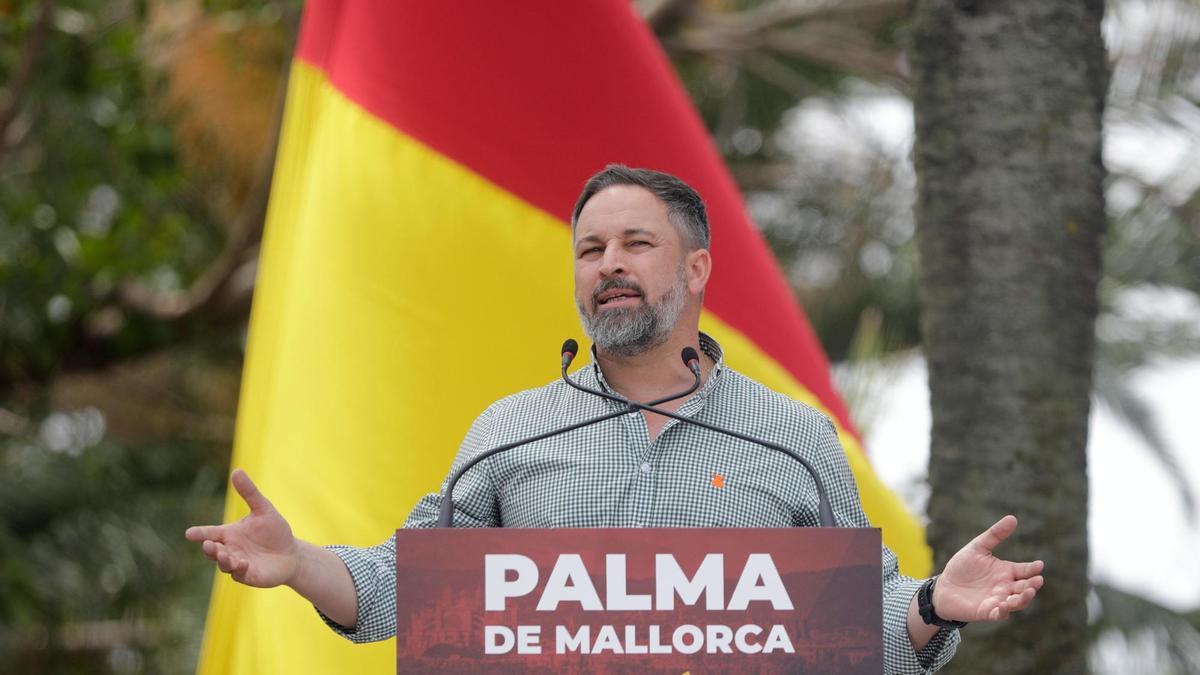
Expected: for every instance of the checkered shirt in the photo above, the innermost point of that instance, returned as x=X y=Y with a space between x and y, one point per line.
x=612 y=475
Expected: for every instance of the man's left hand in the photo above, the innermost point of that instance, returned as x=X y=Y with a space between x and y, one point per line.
x=978 y=586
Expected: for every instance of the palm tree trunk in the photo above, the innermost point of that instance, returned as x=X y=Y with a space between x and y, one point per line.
x=1009 y=97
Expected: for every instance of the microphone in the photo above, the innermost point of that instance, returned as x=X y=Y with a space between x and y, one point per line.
x=690 y=359
x=569 y=349
x=824 y=511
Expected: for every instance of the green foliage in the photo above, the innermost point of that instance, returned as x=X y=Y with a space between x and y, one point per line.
x=96 y=573
x=91 y=190
x=826 y=213
x=1155 y=238
x=1132 y=633
x=840 y=221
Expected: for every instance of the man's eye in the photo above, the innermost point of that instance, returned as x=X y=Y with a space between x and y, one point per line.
x=589 y=251
x=639 y=242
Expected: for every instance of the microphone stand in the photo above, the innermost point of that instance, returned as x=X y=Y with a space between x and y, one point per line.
x=692 y=360
x=824 y=511
x=446 y=508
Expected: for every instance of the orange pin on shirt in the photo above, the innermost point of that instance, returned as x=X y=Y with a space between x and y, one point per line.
x=718 y=480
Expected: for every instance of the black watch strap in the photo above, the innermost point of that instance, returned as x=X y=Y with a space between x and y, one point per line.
x=925 y=607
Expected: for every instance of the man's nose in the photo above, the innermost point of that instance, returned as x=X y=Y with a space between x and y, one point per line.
x=613 y=261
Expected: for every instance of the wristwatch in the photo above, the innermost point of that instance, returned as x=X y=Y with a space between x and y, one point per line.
x=925 y=607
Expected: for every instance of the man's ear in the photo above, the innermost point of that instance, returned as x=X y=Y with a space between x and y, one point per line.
x=698 y=264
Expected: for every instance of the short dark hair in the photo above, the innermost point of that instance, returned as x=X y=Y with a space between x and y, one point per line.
x=684 y=206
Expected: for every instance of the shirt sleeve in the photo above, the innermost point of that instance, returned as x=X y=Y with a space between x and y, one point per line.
x=899 y=657
x=373 y=569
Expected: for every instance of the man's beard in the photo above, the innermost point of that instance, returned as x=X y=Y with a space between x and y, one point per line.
x=629 y=331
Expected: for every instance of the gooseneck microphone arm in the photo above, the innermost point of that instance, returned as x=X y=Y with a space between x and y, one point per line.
x=824 y=511
x=446 y=508
x=690 y=359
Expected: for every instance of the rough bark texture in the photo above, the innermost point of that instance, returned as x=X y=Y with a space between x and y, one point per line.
x=1009 y=96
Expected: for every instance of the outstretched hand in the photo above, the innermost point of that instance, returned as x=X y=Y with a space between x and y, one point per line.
x=978 y=586
x=258 y=550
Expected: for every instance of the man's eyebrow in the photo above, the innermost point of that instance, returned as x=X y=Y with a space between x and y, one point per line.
x=638 y=231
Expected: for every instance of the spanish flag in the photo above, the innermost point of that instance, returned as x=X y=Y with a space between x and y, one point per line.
x=416 y=266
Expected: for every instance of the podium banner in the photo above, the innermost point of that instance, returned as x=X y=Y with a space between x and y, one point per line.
x=617 y=600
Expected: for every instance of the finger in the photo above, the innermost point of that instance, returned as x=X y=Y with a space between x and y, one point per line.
x=223 y=560
x=1022 y=600
x=997 y=533
x=1015 y=602
x=240 y=568
x=1026 y=570
x=205 y=532
x=210 y=549
x=1020 y=586
x=256 y=500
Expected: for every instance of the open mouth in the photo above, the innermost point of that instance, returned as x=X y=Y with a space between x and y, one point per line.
x=618 y=297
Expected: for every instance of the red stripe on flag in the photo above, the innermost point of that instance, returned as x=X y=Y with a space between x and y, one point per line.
x=536 y=96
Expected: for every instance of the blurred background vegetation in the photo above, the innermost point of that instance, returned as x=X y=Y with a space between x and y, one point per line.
x=136 y=142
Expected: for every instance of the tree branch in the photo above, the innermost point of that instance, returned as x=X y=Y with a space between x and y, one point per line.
x=666 y=17
x=860 y=12
x=20 y=82
x=838 y=46
x=821 y=32
x=225 y=287
x=12 y=424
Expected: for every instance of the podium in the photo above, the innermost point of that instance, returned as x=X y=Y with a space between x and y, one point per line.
x=630 y=600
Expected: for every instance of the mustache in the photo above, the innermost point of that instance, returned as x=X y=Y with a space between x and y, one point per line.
x=610 y=284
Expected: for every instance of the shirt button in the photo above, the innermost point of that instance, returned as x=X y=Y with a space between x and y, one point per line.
x=646 y=468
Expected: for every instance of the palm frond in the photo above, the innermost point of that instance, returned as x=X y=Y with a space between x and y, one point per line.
x=1112 y=389
x=1130 y=633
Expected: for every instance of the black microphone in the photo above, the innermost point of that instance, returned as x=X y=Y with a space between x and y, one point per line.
x=690 y=359
x=569 y=349
x=824 y=511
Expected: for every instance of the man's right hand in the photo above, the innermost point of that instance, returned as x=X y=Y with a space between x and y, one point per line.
x=258 y=550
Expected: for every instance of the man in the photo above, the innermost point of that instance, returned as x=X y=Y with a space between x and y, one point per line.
x=641 y=249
